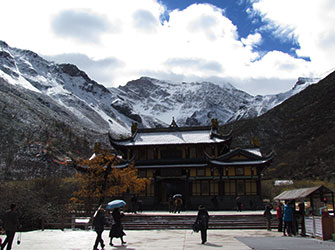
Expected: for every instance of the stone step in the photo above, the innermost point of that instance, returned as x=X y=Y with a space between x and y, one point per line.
x=138 y=222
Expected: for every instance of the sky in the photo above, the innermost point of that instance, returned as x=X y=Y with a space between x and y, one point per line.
x=259 y=46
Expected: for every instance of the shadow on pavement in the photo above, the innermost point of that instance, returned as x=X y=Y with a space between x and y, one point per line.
x=286 y=243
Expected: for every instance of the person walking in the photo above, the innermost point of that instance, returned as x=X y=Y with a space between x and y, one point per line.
x=238 y=204
x=288 y=218
x=171 y=201
x=178 y=204
x=11 y=225
x=99 y=222
x=133 y=204
x=117 y=228
x=280 y=217
x=268 y=216
x=202 y=220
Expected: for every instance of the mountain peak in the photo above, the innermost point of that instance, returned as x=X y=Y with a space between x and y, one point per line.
x=3 y=44
x=305 y=81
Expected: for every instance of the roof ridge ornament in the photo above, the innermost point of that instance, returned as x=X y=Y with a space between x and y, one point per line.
x=173 y=123
x=134 y=128
x=215 y=124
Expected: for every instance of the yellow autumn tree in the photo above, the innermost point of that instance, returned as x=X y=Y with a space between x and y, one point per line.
x=102 y=177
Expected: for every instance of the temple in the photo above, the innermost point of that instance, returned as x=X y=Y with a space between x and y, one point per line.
x=196 y=162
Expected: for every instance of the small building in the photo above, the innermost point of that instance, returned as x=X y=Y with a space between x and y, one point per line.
x=320 y=202
x=317 y=197
x=196 y=162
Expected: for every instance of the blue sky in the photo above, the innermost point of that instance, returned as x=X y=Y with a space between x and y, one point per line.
x=259 y=46
x=236 y=11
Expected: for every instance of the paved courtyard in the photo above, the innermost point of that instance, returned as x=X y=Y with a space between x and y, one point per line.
x=169 y=240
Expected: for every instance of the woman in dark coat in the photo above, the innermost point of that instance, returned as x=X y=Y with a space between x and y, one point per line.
x=117 y=228
x=99 y=222
x=202 y=220
x=268 y=216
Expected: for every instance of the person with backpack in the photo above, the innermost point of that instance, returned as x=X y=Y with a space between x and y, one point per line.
x=202 y=221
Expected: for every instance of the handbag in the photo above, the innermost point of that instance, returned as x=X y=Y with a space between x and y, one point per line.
x=19 y=239
x=196 y=227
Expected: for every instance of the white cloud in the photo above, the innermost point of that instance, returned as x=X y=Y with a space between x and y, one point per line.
x=145 y=21
x=122 y=40
x=81 y=25
x=310 y=22
x=252 y=39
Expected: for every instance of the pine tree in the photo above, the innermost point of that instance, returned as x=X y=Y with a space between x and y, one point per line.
x=102 y=178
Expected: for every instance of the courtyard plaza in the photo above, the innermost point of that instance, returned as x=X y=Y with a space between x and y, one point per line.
x=235 y=239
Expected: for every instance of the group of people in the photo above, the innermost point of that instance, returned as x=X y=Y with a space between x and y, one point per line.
x=285 y=215
x=116 y=230
x=175 y=204
x=288 y=217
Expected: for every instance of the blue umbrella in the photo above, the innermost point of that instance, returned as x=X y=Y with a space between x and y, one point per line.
x=115 y=204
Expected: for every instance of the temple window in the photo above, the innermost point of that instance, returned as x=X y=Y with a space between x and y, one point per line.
x=150 y=154
x=250 y=187
x=171 y=153
x=193 y=172
x=248 y=171
x=192 y=153
x=187 y=152
x=155 y=152
x=229 y=187
x=142 y=154
x=239 y=171
x=200 y=172
x=214 y=187
x=253 y=171
x=200 y=153
x=150 y=173
x=205 y=187
x=240 y=187
x=231 y=171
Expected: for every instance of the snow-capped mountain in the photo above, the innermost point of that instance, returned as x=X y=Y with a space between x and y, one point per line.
x=147 y=101
x=196 y=103
x=75 y=93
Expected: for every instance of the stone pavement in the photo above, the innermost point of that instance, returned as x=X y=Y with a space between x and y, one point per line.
x=140 y=240
x=171 y=239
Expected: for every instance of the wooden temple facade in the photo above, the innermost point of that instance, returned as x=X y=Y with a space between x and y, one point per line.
x=196 y=162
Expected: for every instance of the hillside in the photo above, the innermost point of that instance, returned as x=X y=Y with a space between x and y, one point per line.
x=301 y=132
x=37 y=137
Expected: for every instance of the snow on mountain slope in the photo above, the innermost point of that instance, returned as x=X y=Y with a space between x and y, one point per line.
x=65 y=83
x=196 y=103
x=261 y=104
x=147 y=101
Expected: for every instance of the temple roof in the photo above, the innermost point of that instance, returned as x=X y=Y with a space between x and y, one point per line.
x=240 y=157
x=172 y=136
